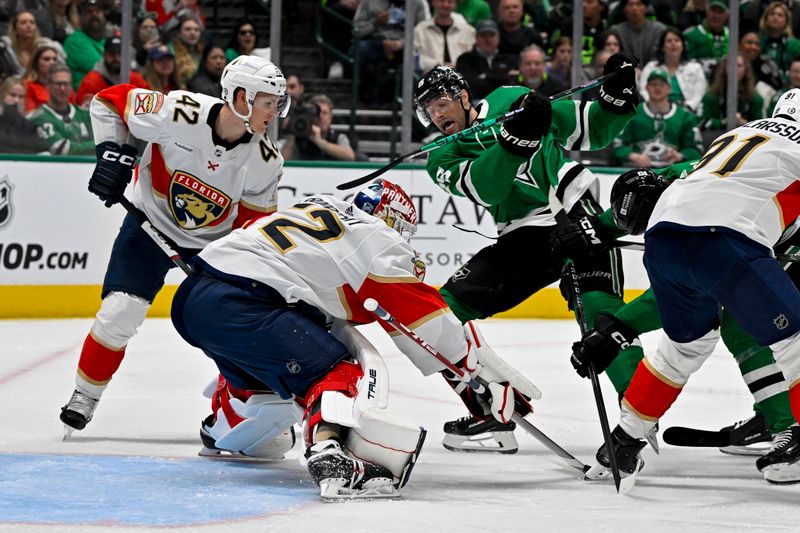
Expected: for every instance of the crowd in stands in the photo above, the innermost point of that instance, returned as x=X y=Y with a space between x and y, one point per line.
x=682 y=45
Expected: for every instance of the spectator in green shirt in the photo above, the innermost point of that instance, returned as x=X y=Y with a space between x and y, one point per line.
x=84 y=47
x=708 y=41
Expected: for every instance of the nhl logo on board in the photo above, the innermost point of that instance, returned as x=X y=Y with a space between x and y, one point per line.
x=293 y=366
x=780 y=321
x=6 y=207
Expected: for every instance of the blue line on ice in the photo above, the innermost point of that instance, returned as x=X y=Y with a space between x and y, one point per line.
x=145 y=491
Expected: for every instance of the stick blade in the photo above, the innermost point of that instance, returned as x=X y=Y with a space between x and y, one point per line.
x=362 y=180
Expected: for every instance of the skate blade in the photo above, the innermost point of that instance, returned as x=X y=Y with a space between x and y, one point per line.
x=67 y=432
x=756 y=450
x=599 y=472
x=627 y=483
x=782 y=473
x=224 y=455
x=482 y=443
x=334 y=491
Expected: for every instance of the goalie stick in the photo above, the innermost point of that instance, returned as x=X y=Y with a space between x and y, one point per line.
x=521 y=409
x=442 y=141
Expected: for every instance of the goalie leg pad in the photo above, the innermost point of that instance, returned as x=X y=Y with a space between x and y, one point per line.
x=255 y=425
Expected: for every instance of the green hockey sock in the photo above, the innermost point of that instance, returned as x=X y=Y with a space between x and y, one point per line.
x=462 y=311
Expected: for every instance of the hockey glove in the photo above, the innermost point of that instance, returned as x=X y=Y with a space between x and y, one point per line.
x=521 y=135
x=113 y=171
x=577 y=240
x=600 y=346
x=505 y=389
x=619 y=94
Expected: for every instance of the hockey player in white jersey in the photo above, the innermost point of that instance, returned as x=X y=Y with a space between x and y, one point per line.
x=208 y=167
x=257 y=304
x=709 y=245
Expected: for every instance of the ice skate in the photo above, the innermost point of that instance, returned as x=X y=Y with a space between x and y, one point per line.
x=780 y=463
x=627 y=452
x=341 y=477
x=468 y=434
x=748 y=437
x=77 y=413
x=273 y=451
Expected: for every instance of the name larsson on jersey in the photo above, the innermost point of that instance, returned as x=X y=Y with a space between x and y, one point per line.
x=789 y=131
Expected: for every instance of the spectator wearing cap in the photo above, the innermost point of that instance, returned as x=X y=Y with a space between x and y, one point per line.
x=473 y=10
x=65 y=127
x=687 y=79
x=708 y=41
x=532 y=74
x=442 y=38
x=159 y=71
x=84 y=48
x=514 y=35
x=106 y=73
x=638 y=36
x=484 y=67
x=662 y=133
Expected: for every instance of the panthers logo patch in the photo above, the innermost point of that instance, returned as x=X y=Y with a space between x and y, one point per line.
x=195 y=204
x=419 y=269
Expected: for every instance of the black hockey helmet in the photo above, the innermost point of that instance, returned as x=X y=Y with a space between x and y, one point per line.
x=438 y=81
x=633 y=197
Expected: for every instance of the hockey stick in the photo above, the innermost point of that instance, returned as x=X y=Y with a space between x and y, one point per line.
x=442 y=141
x=561 y=218
x=154 y=234
x=521 y=410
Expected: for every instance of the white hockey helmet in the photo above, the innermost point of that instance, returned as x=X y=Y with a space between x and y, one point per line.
x=788 y=105
x=255 y=75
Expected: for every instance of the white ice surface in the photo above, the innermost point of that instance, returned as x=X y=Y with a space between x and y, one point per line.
x=152 y=409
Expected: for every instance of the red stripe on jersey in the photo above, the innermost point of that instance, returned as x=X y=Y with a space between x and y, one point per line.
x=408 y=301
x=116 y=96
x=788 y=201
x=246 y=214
x=650 y=394
x=159 y=174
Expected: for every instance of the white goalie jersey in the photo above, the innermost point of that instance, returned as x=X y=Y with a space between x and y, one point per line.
x=747 y=181
x=194 y=186
x=327 y=253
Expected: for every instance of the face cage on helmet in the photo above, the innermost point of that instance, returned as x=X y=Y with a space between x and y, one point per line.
x=396 y=221
x=422 y=114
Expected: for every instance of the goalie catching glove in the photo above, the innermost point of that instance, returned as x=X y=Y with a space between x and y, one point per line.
x=601 y=345
x=619 y=94
x=502 y=385
x=113 y=171
x=521 y=135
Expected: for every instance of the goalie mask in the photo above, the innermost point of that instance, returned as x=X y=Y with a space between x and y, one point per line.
x=388 y=202
x=788 y=106
x=633 y=197
x=438 y=82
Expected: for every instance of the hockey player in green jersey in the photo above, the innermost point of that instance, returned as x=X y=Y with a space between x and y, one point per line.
x=510 y=170
x=632 y=200
x=66 y=128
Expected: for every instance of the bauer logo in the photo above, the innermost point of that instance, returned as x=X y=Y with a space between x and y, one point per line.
x=195 y=204
x=6 y=206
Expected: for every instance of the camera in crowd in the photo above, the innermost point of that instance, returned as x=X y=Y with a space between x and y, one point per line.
x=301 y=117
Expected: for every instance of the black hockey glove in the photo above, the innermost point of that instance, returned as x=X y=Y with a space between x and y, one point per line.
x=521 y=135
x=577 y=240
x=601 y=345
x=619 y=94
x=113 y=171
